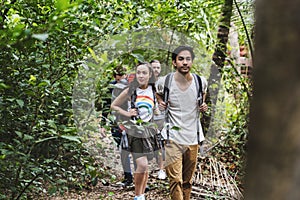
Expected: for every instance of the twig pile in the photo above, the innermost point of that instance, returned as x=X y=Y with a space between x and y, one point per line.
x=212 y=181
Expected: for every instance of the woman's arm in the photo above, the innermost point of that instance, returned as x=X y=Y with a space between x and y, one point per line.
x=119 y=101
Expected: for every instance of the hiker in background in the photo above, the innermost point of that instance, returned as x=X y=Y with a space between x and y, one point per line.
x=159 y=118
x=120 y=84
x=119 y=75
x=141 y=94
x=183 y=103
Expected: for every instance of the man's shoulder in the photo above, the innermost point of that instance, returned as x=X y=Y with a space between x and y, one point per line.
x=113 y=82
x=122 y=84
x=167 y=77
x=203 y=82
x=200 y=76
x=161 y=79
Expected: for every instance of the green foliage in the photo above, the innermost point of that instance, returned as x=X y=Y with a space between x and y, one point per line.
x=39 y=61
x=42 y=48
x=245 y=16
x=232 y=142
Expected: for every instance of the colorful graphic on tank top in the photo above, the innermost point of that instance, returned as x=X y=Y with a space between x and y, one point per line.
x=145 y=103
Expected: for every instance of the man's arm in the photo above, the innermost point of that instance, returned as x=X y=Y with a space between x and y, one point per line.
x=203 y=107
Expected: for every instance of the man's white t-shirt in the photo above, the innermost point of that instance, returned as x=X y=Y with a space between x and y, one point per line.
x=184 y=114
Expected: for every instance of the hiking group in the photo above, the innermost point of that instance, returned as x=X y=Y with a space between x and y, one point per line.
x=159 y=117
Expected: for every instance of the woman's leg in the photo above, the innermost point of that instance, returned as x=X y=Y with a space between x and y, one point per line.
x=141 y=175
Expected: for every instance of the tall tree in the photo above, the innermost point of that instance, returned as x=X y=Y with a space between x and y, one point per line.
x=219 y=56
x=273 y=170
x=220 y=51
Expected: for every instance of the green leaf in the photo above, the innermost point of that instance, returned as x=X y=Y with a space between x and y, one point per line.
x=19 y=134
x=70 y=130
x=139 y=57
x=111 y=193
x=20 y=102
x=42 y=37
x=44 y=83
x=32 y=79
x=52 y=124
x=62 y=5
x=94 y=181
x=72 y=138
x=46 y=139
x=4 y=86
x=93 y=54
x=27 y=137
x=176 y=128
x=84 y=100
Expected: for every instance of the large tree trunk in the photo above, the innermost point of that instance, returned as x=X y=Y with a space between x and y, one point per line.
x=273 y=169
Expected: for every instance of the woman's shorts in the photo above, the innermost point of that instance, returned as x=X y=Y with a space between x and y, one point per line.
x=144 y=145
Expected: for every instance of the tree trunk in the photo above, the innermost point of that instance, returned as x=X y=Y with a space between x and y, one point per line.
x=273 y=169
x=219 y=59
x=223 y=32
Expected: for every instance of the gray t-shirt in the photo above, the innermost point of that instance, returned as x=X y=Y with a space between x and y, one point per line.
x=183 y=114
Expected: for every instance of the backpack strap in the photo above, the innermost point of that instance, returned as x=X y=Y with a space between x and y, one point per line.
x=198 y=82
x=166 y=93
x=154 y=97
x=167 y=86
x=154 y=101
x=132 y=102
x=133 y=99
x=200 y=101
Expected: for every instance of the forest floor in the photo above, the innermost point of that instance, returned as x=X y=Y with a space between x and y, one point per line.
x=105 y=150
x=158 y=191
x=211 y=178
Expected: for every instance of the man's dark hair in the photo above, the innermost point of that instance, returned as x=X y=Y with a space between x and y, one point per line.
x=119 y=70
x=154 y=61
x=182 y=48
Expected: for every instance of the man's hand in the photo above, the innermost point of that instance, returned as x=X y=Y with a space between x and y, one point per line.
x=203 y=107
x=162 y=105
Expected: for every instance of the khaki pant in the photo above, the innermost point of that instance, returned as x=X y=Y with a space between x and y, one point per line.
x=181 y=163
